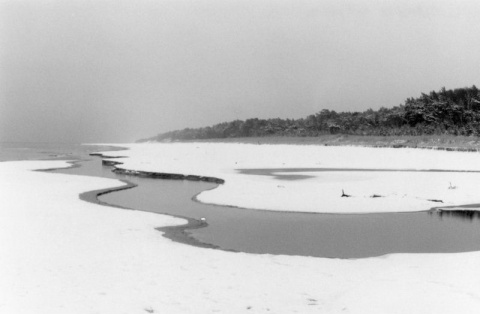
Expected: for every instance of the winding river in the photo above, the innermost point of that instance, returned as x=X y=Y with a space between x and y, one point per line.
x=261 y=232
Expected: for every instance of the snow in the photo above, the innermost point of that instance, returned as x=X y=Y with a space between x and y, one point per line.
x=59 y=254
x=401 y=191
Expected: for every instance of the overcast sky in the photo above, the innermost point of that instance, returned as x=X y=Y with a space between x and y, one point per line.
x=117 y=71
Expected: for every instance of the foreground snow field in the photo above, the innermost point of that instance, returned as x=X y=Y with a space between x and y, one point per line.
x=59 y=254
x=401 y=191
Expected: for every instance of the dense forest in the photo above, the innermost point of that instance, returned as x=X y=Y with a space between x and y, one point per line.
x=452 y=112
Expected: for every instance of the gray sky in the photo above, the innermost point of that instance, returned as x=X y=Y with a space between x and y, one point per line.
x=117 y=71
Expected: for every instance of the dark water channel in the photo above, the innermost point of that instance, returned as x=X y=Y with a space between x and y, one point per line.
x=322 y=235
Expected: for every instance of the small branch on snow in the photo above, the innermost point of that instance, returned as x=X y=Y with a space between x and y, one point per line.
x=452 y=187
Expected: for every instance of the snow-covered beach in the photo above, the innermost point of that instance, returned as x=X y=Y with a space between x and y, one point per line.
x=401 y=191
x=63 y=255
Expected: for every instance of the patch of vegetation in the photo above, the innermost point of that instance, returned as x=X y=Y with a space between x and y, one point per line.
x=446 y=112
x=440 y=142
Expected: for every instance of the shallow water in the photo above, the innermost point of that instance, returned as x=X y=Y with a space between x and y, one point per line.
x=295 y=173
x=47 y=151
x=325 y=235
x=322 y=235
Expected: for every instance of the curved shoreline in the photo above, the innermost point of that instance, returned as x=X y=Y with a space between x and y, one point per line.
x=178 y=233
x=154 y=175
x=174 y=176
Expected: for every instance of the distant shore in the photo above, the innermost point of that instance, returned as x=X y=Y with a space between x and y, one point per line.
x=440 y=142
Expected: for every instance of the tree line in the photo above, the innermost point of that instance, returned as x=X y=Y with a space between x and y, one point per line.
x=452 y=112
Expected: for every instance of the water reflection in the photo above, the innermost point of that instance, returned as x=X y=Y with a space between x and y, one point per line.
x=460 y=214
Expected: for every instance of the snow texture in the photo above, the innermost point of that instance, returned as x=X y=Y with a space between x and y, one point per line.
x=321 y=192
x=59 y=254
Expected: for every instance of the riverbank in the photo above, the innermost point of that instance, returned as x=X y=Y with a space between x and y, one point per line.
x=60 y=254
x=178 y=233
x=267 y=232
x=392 y=180
x=436 y=142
